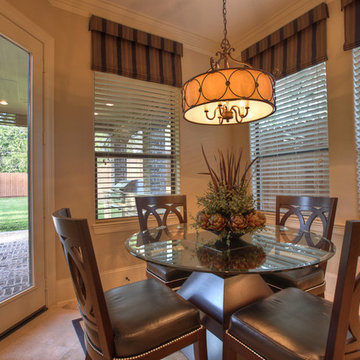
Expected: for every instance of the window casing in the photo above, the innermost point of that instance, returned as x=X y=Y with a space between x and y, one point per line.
x=356 y=75
x=292 y=144
x=136 y=142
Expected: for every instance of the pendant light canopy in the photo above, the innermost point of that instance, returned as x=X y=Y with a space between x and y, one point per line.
x=228 y=95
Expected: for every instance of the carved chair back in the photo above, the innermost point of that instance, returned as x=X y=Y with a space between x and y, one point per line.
x=167 y=204
x=307 y=209
x=345 y=310
x=79 y=254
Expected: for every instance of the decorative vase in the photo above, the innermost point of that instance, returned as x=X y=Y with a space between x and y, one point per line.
x=229 y=252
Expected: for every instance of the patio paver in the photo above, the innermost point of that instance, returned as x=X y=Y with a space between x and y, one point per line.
x=14 y=263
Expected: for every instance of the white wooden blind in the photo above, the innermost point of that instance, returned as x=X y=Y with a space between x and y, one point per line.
x=292 y=144
x=136 y=142
x=356 y=74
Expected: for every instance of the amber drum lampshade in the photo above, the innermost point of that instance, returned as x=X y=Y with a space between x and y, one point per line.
x=228 y=95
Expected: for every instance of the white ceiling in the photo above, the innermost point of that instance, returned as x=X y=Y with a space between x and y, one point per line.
x=204 y=17
x=14 y=64
x=198 y=24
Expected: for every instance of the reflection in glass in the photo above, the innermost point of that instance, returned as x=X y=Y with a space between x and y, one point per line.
x=266 y=250
x=15 y=249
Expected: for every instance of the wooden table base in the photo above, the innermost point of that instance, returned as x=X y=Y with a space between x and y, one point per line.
x=219 y=297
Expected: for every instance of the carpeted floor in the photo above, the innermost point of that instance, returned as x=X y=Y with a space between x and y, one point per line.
x=51 y=335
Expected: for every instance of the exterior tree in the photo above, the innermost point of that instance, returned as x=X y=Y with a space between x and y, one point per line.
x=13 y=149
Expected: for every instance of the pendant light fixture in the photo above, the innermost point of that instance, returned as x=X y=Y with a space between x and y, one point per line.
x=227 y=95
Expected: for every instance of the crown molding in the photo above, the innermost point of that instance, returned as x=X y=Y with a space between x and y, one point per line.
x=277 y=20
x=122 y=15
x=200 y=44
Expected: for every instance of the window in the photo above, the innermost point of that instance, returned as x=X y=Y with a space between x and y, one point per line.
x=136 y=142
x=356 y=74
x=292 y=144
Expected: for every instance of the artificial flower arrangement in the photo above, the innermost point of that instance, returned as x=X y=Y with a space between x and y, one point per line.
x=227 y=207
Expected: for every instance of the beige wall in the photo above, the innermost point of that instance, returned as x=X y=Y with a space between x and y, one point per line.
x=74 y=155
x=342 y=151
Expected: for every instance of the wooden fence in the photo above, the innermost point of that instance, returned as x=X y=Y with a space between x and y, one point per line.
x=13 y=184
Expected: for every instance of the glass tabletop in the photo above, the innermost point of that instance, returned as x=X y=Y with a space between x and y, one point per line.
x=271 y=249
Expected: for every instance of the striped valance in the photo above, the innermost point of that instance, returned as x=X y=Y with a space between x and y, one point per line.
x=121 y=50
x=351 y=10
x=295 y=46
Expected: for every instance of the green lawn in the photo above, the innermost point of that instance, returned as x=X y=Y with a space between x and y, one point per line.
x=13 y=213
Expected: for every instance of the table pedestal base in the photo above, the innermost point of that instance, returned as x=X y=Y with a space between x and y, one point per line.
x=219 y=297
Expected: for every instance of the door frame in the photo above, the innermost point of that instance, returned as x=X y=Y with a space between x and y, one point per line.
x=47 y=41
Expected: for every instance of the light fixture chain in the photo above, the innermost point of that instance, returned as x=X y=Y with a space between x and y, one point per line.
x=225 y=21
x=245 y=94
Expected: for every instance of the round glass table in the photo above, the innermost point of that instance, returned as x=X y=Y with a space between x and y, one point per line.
x=226 y=272
x=273 y=248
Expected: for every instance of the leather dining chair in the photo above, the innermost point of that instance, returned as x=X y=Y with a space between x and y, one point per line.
x=161 y=207
x=306 y=209
x=142 y=320
x=293 y=324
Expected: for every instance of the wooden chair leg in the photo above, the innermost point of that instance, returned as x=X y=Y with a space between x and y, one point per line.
x=87 y=357
x=228 y=352
x=200 y=349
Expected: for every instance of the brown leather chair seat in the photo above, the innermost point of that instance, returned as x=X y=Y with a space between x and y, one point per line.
x=136 y=309
x=290 y=324
x=303 y=279
x=143 y=320
x=294 y=324
x=167 y=273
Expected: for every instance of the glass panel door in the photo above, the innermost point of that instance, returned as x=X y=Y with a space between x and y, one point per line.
x=22 y=284
x=15 y=249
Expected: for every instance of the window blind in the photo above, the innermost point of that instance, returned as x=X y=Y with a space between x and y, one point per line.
x=356 y=74
x=292 y=145
x=136 y=142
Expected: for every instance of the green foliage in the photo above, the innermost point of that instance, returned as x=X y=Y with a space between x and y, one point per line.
x=13 y=213
x=13 y=149
x=227 y=192
x=226 y=202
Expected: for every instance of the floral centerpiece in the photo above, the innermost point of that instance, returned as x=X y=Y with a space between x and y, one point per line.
x=227 y=207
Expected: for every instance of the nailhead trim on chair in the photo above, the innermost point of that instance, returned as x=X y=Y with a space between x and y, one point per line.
x=150 y=351
x=245 y=346
x=315 y=287
x=307 y=290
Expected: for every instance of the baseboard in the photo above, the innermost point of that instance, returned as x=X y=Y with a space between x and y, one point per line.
x=112 y=278
x=123 y=276
x=330 y=285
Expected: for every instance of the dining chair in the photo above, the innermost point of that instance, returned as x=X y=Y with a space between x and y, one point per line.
x=293 y=324
x=306 y=209
x=142 y=320
x=160 y=208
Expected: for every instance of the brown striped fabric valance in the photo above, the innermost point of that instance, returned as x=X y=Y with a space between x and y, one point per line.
x=295 y=46
x=351 y=10
x=121 y=50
